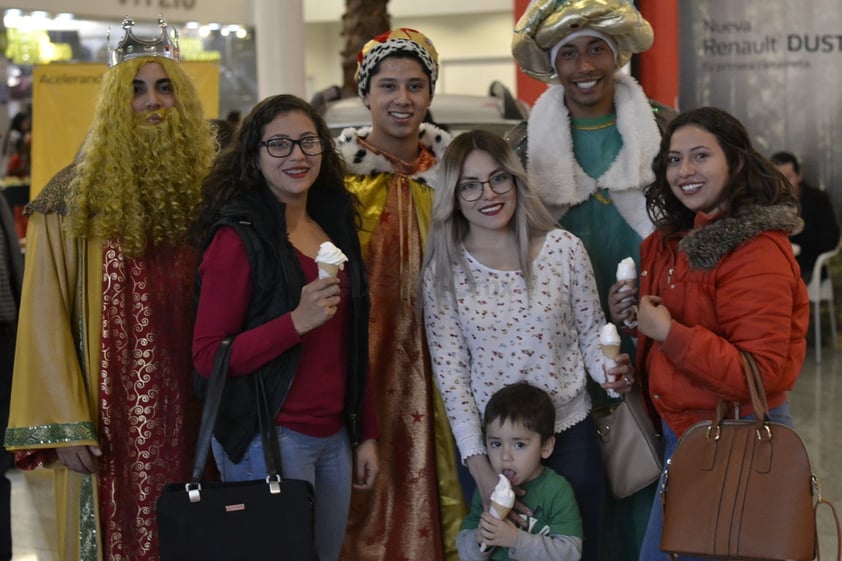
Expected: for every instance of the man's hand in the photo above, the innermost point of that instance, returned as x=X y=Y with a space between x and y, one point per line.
x=82 y=459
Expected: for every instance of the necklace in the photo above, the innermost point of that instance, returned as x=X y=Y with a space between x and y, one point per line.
x=601 y=198
x=601 y=126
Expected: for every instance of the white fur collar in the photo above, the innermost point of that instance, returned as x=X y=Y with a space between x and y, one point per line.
x=360 y=161
x=561 y=182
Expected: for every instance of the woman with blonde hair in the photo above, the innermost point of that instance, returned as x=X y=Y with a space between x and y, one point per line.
x=509 y=297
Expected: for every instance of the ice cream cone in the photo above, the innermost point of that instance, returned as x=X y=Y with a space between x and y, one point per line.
x=499 y=511
x=502 y=501
x=326 y=270
x=611 y=351
x=626 y=271
x=609 y=341
x=329 y=259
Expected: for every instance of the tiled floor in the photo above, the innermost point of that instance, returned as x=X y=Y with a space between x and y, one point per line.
x=33 y=516
x=818 y=419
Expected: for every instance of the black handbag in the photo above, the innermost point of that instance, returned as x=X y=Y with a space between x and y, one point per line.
x=269 y=518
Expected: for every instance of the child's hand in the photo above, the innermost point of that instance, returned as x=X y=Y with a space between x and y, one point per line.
x=496 y=532
x=520 y=512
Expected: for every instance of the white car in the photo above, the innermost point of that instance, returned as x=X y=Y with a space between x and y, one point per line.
x=497 y=112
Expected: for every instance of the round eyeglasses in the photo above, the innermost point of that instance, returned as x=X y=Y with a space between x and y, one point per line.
x=501 y=183
x=282 y=147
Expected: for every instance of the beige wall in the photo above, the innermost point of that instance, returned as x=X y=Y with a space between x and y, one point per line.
x=472 y=36
x=242 y=11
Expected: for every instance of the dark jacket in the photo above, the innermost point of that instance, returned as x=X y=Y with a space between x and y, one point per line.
x=277 y=280
x=820 y=233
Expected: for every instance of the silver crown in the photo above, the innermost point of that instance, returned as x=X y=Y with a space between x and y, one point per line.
x=132 y=47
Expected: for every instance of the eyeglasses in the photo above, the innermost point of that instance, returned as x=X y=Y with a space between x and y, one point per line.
x=282 y=147
x=501 y=183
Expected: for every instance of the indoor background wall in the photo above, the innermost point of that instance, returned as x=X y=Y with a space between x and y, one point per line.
x=775 y=64
x=474 y=49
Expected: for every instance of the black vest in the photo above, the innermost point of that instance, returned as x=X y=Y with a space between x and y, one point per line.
x=277 y=280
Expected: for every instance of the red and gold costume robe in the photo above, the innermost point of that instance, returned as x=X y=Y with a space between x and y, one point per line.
x=416 y=508
x=103 y=359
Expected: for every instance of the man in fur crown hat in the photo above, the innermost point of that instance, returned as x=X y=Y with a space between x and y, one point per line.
x=102 y=382
x=592 y=136
x=416 y=508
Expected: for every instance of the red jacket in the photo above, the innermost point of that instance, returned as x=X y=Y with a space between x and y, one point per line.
x=731 y=284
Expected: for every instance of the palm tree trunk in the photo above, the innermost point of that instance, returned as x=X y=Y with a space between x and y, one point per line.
x=363 y=19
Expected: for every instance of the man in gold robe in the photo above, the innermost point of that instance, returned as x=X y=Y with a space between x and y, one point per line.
x=102 y=383
x=416 y=508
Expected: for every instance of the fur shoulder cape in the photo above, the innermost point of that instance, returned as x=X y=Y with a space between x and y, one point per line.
x=561 y=182
x=706 y=246
x=360 y=161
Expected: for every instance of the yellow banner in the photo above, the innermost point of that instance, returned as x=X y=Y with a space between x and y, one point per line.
x=63 y=98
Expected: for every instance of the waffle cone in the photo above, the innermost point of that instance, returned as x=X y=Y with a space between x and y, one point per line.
x=327 y=270
x=611 y=351
x=499 y=511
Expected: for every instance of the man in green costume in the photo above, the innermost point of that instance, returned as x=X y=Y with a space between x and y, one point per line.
x=591 y=140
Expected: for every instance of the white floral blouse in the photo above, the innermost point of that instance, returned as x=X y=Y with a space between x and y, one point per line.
x=493 y=334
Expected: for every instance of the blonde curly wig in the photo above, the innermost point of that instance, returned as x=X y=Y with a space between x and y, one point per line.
x=136 y=184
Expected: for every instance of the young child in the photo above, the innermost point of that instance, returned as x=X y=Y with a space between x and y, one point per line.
x=519 y=426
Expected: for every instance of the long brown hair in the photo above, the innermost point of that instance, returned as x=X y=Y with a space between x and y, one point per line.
x=237 y=168
x=753 y=181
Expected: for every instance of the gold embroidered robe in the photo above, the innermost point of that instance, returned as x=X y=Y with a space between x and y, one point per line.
x=415 y=511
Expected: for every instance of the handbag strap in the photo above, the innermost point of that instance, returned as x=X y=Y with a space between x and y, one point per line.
x=213 y=398
x=819 y=502
x=271 y=449
x=756 y=392
x=761 y=410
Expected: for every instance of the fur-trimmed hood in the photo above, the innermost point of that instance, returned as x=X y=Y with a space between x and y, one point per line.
x=360 y=161
x=706 y=246
x=561 y=182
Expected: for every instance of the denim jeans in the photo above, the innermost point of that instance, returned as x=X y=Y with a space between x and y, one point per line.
x=325 y=462
x=651 y=550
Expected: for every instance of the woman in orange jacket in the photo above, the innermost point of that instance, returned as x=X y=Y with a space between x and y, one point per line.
x=718 y=276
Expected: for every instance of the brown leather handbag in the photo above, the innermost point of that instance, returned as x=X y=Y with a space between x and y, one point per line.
x=742 y=489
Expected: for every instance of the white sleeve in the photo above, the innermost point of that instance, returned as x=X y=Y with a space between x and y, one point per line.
x=451 y=360
x=535 y=547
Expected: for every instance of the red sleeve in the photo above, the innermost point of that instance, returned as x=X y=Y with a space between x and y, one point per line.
x=223 y=302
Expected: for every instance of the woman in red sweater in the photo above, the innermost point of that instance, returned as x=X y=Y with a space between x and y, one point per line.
x=273 y=197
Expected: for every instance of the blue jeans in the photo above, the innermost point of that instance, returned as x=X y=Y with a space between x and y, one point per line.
x=651 y=549
x=325 y=462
